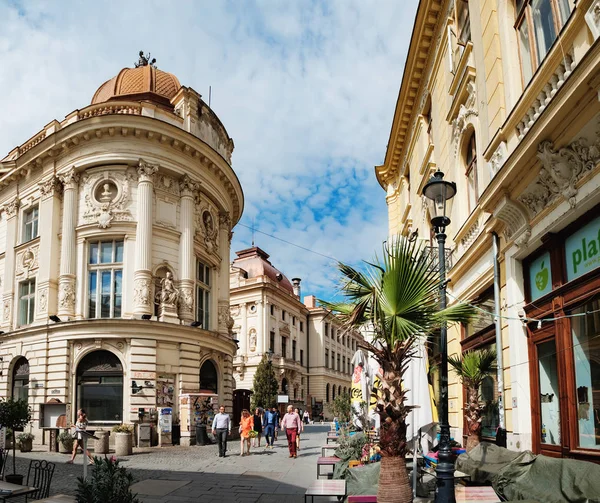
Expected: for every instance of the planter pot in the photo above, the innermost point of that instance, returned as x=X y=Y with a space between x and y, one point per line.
x=101 y=445
x=14 y=479
x=123 y=444
x=26 y=445
x=65 y=448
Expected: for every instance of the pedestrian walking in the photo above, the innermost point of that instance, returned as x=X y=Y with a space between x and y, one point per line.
x=296 y=411
x=246 y=425
x=277 y=421
x=306 y=417
x=221 y=428
x=292 y=424
x=258 y=420
x=269 y=419
x=80 y=425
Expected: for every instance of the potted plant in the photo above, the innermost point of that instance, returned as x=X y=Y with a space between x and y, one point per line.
x=25 y=441
x=472 y=369
x=65 y=442
x=123 y=439
x=14 y=414
x=108 y=482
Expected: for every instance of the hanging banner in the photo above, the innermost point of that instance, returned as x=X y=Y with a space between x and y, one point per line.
x=356 y=396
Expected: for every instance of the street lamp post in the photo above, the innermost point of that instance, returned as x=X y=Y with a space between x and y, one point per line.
x=439 y=193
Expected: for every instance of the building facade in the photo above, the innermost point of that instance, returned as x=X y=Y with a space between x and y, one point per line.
x=502 y=97
x=311 y=357
x=114 y=255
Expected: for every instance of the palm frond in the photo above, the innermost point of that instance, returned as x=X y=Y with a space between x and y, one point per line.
x=474 y=366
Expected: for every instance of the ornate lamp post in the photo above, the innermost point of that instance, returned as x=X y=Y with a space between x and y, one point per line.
x=439 y=194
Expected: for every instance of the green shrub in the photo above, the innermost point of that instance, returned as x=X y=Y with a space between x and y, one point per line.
x=66 y=439
x=109 y=482
x=123 y=428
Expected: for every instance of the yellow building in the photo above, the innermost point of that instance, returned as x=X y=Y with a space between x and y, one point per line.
x=502 y=96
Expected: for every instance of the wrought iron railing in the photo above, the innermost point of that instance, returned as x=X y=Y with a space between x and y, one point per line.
x=434 y=254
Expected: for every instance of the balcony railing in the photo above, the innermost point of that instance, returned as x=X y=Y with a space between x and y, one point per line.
x=434 y=254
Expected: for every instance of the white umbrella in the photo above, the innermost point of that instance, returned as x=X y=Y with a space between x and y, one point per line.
x=420 y=418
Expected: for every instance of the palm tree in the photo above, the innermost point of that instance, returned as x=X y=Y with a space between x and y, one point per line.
x=397 y=300
x=472 y=369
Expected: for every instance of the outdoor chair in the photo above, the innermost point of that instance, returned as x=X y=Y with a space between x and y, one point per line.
x=40 y=476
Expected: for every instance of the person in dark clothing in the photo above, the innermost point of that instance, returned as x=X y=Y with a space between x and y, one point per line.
x=221 y=428
x=258 y=420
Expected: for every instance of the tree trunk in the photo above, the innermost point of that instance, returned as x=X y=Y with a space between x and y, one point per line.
x=394 y=486
x=473 y=416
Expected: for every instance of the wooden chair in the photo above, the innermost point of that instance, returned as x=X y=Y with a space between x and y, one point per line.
x=40 y=475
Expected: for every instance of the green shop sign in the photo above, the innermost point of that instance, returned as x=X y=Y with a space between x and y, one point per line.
x=540 y=276
x=583 y=250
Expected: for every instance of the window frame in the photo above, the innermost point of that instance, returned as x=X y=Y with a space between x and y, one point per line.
x=204 y=287
x=471 y=168
x=98 y=268
x=35 y=223
x=27 y=300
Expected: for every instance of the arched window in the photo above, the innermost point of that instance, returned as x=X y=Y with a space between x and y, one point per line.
x=209 y=379
x=333 y=394
x=339 y=390
x=20 y=379
x=327 y=393
x=471 y=172
x=100 y=387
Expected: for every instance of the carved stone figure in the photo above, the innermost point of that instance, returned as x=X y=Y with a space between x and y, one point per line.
x=66 y=296
x=252 y=340
x=141 y=292
x=168 y=293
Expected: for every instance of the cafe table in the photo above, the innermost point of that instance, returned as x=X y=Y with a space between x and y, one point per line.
x=8 y=490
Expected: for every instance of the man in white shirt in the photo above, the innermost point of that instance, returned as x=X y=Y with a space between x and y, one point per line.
x=221 y=427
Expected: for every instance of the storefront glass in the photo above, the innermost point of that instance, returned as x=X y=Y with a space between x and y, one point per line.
x=549 y=393
x=489 y=401
x=586 y=351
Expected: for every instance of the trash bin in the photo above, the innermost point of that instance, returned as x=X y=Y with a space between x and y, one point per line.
x=201 y=436
x=176 y=434
x=101 y=445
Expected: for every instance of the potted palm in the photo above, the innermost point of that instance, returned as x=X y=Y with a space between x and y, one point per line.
x=14 y=414
x=396 y=299
x=472 y=369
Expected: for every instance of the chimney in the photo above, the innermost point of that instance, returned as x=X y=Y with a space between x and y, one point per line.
x=310 y=301
x=296 y=283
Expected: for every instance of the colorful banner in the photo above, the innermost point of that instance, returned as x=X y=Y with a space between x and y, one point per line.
x=356 y=396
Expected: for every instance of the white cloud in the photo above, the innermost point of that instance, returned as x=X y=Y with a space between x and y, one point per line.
x=307 y=90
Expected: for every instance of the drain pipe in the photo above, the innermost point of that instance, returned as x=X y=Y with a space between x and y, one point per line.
x=498 y=327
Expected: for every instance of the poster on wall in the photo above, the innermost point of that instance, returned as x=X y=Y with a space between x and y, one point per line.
x=165 y=390
x=540 y=277
x=165 y=420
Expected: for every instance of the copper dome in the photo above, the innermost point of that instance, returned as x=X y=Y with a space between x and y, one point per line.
x=256 y=263
x=142 y=83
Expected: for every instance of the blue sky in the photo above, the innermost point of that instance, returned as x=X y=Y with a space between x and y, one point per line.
x=306 y=89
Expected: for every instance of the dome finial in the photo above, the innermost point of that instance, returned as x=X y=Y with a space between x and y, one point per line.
x=145 y=60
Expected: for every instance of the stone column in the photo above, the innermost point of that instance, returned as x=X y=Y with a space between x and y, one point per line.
x=11 y=210
x=225 y=319
x=244 y=335
x=262 y=336
x=187 y=259
x=142 y=277
x=66 y=280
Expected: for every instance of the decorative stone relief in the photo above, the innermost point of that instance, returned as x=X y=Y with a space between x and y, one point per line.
x=167 y=184
x=226 y=322
x=43 y=300
x=50 y=187
x=146 y=171
x=66 y=295
x=6 y=309
x=235 y=310
x=69 y=179
x=471 y=235
x=107 y=197
x=27 y=261
x=206 y=218
x=186 y=299
x=12 y=207
x=498 y=157
x=252 y=340
x=561 y=171
x=514 y=216
x=466 y=110
x=141 y=291
x=592 y=18
x=188 y=186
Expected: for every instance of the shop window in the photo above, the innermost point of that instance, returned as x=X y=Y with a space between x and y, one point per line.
x=209 y=378
x=105 y=279
x=100 y=387
x=30 y=223
x=586 y=351
x=20 y=380
x=203 y=287
x=549 y=393
x=471 y=163
x=26 y=302
x=538 y=23
x=482 y=320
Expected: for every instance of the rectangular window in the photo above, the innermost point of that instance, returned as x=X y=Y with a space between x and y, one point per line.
x=294 y=350
x=301 y=326
x=284 y=347
x=272 y=310
x=293 y=321
x=30 y=223
x=343 y=364
x=326 y=329
x=26 y=302
x=338 y=362
x=105 y=279
x=333 y=360
x=272 y=342
x=471 y=159
x=283 y=315
x=549 y=393
x=586 y=351
x=203 y=287
x=538 y=25
x=302 y=357
x=327 y=358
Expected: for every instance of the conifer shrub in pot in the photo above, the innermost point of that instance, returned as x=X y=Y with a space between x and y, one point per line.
x=14 y=414
x=65 y=442
x=123 y=439
x=108 y=482
x=25 y=441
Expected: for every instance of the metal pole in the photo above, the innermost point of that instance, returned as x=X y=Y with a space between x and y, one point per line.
x=498 y=326
x=445 y=467
x=85 y=458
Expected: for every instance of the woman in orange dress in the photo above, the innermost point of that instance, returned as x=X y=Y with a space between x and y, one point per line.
x=246 y=425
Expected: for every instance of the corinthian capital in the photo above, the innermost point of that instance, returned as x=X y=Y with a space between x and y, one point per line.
x=146 y=170
x=12 y=207
x=188 y=186
x=69 y=179
x=50 y=186
x=224 y=220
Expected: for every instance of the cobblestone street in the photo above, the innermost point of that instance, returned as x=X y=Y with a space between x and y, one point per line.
x=191 y=474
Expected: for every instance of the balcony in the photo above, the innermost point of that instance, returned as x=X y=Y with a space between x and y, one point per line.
x=433 y=253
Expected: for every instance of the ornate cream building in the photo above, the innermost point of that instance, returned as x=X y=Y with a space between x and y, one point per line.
x=312 y=361
x=114 y=254
x=502 y=96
